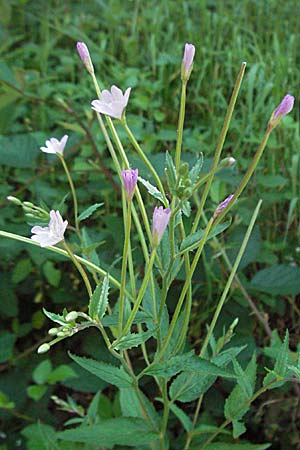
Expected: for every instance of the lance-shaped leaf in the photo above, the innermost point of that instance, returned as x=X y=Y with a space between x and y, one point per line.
x=99 y=300
x=192 y=241
x=89 y=211
x=133 y=340
x=152 y=189
x=107 y=372
x=170 y=172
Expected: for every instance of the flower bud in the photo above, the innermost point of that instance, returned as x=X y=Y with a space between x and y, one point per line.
x=161 y=219
x=44 y=348
x=222 y=206
x=129 y=182
x=228 y=162
x=53 y=331
x=84 y=54
x=71 y=316
x=282 y=110
x=14 y=200
x=187 y=61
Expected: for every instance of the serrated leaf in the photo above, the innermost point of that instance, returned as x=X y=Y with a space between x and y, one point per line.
x=55 y=317
x=281 y=364
x=133 y=340
x=122 y=431
x=99 y=300
x=182 y=416
x=238 y=428
x=192 y=241
x=196 y=169
x=89 y=211
x=170 y=172
x=152 y=190
x=107 y=372
x=236 y=404
x=186 y=208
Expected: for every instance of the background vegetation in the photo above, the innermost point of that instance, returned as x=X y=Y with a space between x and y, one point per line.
x=45 y=91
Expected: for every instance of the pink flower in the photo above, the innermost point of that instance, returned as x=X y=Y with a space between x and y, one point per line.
x=188 y=58
x=53 y=233
x=53 y=145
x=222 y=205
x=112 y=103
x=84 y=54
x=129 y=181
x=161 y=219
x=285 y=106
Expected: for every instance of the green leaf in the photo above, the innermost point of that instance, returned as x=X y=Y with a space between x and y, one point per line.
x=7 y=342
x=196 y=169
x=42 y=371
x=241 y=446
x=5 y=402
x=279 y=279
x=99 y=300
x=20 y=150
x=187 y=361
x=36 y=392
x=89 y=211
x=281 y=364
x=21 y=270
x=182 y=416
x=152 y=190
x=52 y=274
x=61 y=373
x=111 y=374
x=236 y=404
x=192 y=241
x=122 y=431
x=170 y=172
x=238 y=428
x=55 y=317
x=134 y=340
x=40 y=436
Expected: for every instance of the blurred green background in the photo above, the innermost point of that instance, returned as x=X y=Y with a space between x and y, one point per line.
x=45 y=91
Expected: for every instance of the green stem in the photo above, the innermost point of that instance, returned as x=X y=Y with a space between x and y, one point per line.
x=124 y=264
x=220 y=144
x=185 y=289
x=221 y=304
x=72 y=189
x=165 y=414
x=79 y=268
x=139 y=297
x=247 y=175
x=180 y=125
x=145 y=160
x=62 y=252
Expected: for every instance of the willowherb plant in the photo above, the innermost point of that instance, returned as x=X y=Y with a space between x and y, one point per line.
x=140 y=318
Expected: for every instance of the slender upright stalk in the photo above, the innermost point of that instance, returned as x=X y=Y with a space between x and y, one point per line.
x=145 y=160
x=124 y=263
x=220 y=144
x=72 y=189
x=180 y=125
x=79 y=268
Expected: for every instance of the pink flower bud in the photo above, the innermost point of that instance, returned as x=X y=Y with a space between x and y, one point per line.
x=285 y=106
x=282 y=110
x=222 y=206
x=129 y=181
x=161 y=219
x=84 y=54
x=188 y=58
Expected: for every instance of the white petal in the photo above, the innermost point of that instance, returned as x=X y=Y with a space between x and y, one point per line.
x=116 y=93
x=126 y=95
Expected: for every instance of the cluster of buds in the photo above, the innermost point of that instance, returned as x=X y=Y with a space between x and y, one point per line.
x=68 y=328
x=184 y=184
x=31 y=211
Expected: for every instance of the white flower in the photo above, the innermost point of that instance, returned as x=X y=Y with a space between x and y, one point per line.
x=112 y=103
x=53 y=145
x=53 y=233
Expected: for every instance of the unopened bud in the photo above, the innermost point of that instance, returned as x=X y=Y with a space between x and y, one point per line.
x=29 y=204
x=71 y=316
x=285 y=106
x=228 y=162
x=187 y=61
x=53 y=331
x=183 y=169
x=14 y=200
x=85 y=57
x=222 y=206
x=44 y=348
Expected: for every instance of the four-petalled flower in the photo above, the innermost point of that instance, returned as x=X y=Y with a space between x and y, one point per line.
x=112 y=103
x=53 y=145
x=161 y=219
x=129 y=177
x=53 y=233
